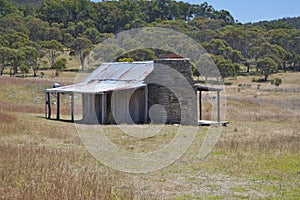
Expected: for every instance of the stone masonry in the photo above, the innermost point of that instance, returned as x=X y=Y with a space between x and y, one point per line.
x=171 y=86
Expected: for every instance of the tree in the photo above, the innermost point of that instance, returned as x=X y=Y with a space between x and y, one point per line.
x=140 y=55
x=59 y=65
x=225 y=67
x=52 y=50
x=205 y=66
x=68 y=40
x=16 y=58
x=266 y=66
x=32 y=57
x=236 y=56
x=38 y=29
x=81 y=47
x=24 y=68
x=14 y=22
x=5 y=55
x=6 y=8
x=14 y=39
x=92 y=34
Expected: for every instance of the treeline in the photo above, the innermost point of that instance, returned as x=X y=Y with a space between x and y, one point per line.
x=29 y=34
x=289 y=22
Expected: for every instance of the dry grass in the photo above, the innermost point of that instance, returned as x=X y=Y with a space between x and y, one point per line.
x=41 y=172
x=256 y=157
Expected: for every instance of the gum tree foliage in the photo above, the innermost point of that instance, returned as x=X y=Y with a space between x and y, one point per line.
x=52 y=50
x=59 y=65
x=5 y=55
x=32 y=57
x=266 y=66
x=62 y=22
x=81 y=47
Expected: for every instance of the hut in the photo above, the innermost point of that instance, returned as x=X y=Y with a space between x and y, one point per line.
x=125 y=92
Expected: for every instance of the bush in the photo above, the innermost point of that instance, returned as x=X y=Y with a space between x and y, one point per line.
x=276 y=81
x=125 y=60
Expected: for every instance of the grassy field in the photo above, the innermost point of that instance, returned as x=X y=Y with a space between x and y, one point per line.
x=256 y=157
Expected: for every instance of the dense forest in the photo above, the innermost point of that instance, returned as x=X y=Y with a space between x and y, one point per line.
x=34 y=33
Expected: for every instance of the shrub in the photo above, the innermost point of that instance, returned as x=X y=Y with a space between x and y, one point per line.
x=276 y=81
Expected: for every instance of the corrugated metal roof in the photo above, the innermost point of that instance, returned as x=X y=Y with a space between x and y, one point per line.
x=121 y=71
x=96 y=87
x=110 y=77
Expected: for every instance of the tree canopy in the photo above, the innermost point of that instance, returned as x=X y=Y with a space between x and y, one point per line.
x=50 y=26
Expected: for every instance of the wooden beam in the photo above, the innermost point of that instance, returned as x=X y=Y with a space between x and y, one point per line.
x=72 y=107
x=57 y=106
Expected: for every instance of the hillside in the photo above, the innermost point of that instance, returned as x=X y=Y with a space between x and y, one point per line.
x=290 y=23
x=264 y=48
x=26 y=2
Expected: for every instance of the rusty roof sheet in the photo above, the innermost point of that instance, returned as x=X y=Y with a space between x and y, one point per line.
x=121 y=71
x=98 y=87
x=111 y=77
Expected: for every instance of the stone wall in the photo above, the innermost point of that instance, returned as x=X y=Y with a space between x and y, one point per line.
x=171 y=86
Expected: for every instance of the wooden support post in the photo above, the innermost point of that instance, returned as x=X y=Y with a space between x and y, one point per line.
x=57 y=106
x=46 y=100
x=72 y=107
x=146 y=105
x=103 y=108
x=218 y=99
x=48 y=105
x=200 y=105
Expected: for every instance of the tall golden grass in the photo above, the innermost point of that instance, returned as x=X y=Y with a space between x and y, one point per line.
x=257 y=155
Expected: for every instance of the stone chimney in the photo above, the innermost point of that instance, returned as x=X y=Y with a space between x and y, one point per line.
x=171 y=86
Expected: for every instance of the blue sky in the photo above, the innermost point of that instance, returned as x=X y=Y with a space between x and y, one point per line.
x=256 y=10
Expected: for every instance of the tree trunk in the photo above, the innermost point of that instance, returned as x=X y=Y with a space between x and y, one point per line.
x=2 y=69
x=10 y=72
x=35 y=71
x=15 y=71
x=266 y=77
x=284 y=66
x=248 y=67
x=82 y=62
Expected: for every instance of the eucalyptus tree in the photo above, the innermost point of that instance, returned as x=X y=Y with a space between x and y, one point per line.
x=52 y=50
x=6 y=8
x=38 y=29
x=266 y=66
x=81 y=47
x=17 y=58
x=32 y=56
x=5 y=55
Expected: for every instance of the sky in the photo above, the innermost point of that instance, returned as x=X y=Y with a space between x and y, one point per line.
x=255 y=10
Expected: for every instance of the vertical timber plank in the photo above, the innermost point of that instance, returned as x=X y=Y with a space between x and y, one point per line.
x=46 y=105
x=146 y=105
x=200 y=104
x=218 y=99
x=72 y=107
x=104 y=98
x=49 y=105
x=57 y=105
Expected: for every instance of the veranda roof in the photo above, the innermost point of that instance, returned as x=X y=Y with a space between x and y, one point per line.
x=110 y=77
x=98 y=87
